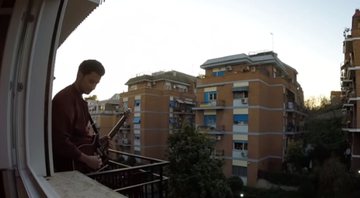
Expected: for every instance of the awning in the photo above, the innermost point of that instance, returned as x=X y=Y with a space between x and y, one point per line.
x=238 y=89
x=179 y=101
x=188 y=102
x=241 y=117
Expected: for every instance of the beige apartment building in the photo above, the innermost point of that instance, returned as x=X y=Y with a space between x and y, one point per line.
x=252 y=106
x=160 y=102
x=350 y=87
x=105 y=114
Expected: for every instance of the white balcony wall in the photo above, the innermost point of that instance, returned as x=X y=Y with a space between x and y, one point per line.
x=239 y=154
x=240 y=128
x=241 y=102
x=136 y=126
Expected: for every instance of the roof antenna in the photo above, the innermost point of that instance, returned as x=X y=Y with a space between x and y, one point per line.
x=272 y=41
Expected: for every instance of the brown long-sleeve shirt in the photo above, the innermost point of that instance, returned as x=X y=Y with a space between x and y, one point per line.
x=70 y=127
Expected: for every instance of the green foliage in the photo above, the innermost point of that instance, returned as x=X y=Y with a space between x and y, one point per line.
x=316 y=104
x=295 y=155
x=192 y=170
x=93 y=97
x=334 y=180
x=326 y=137
x=236 y=184
x=282 y=178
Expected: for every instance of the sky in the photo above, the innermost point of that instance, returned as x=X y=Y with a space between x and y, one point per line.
x=136 y=37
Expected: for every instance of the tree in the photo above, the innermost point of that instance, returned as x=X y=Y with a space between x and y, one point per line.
x=295 y=156
x=316 y=104
x=193 y=171
x=93 y=97
x=236 y=184
x=326 y=137
x=334 y=180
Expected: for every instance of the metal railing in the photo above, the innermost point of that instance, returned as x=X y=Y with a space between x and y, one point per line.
x=133 y=175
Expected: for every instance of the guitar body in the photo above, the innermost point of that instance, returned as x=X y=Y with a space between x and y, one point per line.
x=88 y=149
x=98 y=146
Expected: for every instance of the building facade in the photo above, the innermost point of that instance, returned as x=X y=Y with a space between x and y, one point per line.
x=350 y=87
x=105 y=114
x=160 y=103
x=252 y=106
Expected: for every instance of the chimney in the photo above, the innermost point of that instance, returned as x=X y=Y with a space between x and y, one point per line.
x=356 y=22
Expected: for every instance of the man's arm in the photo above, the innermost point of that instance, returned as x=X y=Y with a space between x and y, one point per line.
x=63 y=115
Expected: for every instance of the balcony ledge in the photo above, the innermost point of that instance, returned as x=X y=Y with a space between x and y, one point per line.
x=76 y=184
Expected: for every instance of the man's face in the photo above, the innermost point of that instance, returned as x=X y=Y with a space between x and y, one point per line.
x=88 y=82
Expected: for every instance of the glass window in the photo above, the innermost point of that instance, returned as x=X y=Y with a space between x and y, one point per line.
x=210 y=96
x=241 y=119
x=210 y=120
x=136 y=120
x=239 y=171
x=137 y=103
x=241 y=145
x=218 y=73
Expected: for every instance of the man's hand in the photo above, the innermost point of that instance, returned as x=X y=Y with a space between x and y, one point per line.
x=92 y=161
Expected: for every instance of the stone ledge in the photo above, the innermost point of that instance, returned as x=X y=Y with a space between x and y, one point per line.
x=76 y=184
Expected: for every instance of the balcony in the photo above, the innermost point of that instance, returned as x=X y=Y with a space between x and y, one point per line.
x=239 y=154
x=214 y=104
x=240 y=102
x=138 y=176
x=211 y=130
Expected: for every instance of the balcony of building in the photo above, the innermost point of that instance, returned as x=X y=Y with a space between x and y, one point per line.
x=124 y=175
x=240 y=154
x=212 y=104
x=293 y=128
x=241 y=102
x=133 y=175
x=180 y=106
x=349 y=122
x=214 y=132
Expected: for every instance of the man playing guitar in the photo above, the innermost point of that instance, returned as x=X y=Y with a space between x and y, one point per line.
x=71 y=120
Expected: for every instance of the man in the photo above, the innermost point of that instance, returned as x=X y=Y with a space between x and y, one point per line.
x=71 y=125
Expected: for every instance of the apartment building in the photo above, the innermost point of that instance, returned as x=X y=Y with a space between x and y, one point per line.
x=350 y=74
x=105 y=114
x=160 y=102
x=252 y=106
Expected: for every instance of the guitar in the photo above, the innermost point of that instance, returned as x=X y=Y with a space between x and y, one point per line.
x=98 y=146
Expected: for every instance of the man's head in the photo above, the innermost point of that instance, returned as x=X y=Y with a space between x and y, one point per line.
x=89 y=75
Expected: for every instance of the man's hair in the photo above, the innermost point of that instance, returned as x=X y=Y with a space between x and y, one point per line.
x=88 y=66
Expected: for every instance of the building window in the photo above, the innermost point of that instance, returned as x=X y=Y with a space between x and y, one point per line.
x=167 y=86
x=275 y=74
x=239 y=171
x=210 y=120
x=133 y=87
x=240 y=92
x=137 y=103
x=125 y=105
x=137 y=140
x=218 y=73
x=172 y=104
x=210 y=96
x=136 y=120
x=241 y=119
x=241 y=145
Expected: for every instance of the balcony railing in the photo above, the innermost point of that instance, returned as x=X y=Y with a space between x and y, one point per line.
x=211 y=130
x=138 y=176
x=214 y=104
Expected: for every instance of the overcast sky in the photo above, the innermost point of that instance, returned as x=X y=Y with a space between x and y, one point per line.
x=135 y=37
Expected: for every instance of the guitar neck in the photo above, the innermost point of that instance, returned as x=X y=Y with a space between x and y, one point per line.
x=117 y=126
